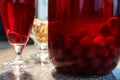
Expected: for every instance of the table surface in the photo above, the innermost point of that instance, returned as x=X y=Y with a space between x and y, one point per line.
x=42 y=72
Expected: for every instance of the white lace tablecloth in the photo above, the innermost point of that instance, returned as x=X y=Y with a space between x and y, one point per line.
x=44 y=72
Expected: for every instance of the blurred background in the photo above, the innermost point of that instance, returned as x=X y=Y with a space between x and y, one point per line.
x=2 y=33
x=42 y=9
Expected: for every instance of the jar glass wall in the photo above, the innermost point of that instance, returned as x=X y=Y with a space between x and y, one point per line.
x=84 y=36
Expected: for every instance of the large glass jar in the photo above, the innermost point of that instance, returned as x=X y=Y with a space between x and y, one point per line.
x=84 y=36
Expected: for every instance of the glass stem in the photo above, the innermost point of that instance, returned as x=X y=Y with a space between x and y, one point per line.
x=18 y=50
x=18 y=57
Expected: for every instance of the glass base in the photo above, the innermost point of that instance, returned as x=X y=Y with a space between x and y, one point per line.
x=41 y=57
x=10 y=75
x=13 y=65
x=17 y=69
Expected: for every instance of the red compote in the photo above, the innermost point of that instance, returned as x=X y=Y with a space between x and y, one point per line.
x=84 y=36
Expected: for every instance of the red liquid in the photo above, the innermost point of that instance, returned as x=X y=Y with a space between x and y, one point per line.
x=17 y=17
x=83 y=36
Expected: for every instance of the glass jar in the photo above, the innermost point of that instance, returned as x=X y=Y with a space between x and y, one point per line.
x=84 y=36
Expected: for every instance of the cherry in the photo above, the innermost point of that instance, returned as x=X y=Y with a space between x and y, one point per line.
x=73 y=36
x=91 y=53
x=64 y=69
x=22 y=39
x=102 y=52
x=57 y=41
x=108 y=63
x=95 y=63
x=61 y=52
x=77 y=52
x=114 y=21
x=86 y=42
x=68 y=60
x=75 y=70
x=69 y=43
x=88 y=72
x=99 y=41
x=113 y=51
x=110 y=40
x=81 y=34
x=81 y=63
x=100 y=71
x=106 y=29
x=57 y=61
x=13 y=37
